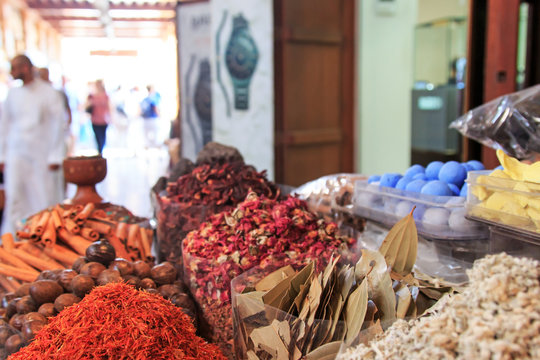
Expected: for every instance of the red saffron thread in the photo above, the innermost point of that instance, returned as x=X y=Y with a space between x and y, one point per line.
x=116 y=321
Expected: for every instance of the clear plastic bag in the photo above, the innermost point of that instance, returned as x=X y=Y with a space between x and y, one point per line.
x=509 y=122
x=330 y=197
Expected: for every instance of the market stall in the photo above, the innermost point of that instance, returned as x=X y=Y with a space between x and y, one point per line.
x=346 y=266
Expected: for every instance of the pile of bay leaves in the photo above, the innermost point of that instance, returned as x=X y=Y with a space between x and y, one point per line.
x=292 y=314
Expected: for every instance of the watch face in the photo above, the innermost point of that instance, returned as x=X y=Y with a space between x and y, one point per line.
x=241 y=55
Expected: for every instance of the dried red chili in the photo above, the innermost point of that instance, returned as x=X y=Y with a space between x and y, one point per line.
x=259 y=232
x=116 y=321
x=207 y=190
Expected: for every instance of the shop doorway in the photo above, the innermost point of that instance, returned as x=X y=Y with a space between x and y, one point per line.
x=314 y=91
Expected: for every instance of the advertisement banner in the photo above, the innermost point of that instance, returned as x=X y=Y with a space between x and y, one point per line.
x=194 y=50
x=242 y=67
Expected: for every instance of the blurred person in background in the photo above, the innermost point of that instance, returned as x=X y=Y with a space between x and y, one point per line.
x=150 y=114
x=44 y=75
x=99 y=108
x=31 y=145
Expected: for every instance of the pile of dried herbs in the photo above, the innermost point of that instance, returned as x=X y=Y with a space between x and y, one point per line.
x=259 y=232
x=208 y=189
x=116 y=321
x=311 y=314
x=497 y=316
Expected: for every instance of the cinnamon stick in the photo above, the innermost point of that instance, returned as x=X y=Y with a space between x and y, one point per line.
x=121 y=251
x=145 y=242
x=42 y=223
x=89 y=234
x=76 y=242
x=100 y=214
x=8 y=241
x=72 y=226
x=48 y=238
x=61 y=254
x=74 y=210
x=6 y=284
x=122 y=230
x=12 y=260
x=57 y=220
x=21 y=274
x=81 y=217
x=22 y=234
x=99 y=226
x=36 y=262
x=133 y=234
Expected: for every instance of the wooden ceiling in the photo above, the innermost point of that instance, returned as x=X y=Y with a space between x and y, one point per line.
x=102 y=18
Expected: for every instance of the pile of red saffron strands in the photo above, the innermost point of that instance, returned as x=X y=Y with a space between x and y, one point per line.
x=116 y=321
x=259 y=232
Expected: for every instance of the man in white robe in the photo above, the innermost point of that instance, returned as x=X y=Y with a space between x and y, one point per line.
x=31 y=146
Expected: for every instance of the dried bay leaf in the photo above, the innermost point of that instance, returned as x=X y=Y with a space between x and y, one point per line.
x=373 y=267
x=355 y=311
x=267 y=339
x=249 y=304
x=327 y=351
x=271 y=280
x=274 y=296
x=399 y=248
x=404 y=300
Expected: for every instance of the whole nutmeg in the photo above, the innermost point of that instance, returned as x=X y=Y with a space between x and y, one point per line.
x=77 y=265
x=23 y=290
x=152 y=291
x=183 y=301
x=92 y=269
x=101 y=251
x=147 y=283
x=82 y=285
x=49 y=274
x=17 y=321
x=168 y=290
x=65 y=300
x=11 y=309
x=5 y=332
x=25 y=305
x=47 y=310
x=123 y=266
x=164 y=273
x=65 y=279
x=142 y=269
x=132 y=280
x=44 y=291
x=109 y=276
x=35 y=316
x=13 y=343
x=7 y=298
x=30 y=328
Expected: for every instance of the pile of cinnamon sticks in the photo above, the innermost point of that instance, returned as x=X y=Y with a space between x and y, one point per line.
x=54 y=238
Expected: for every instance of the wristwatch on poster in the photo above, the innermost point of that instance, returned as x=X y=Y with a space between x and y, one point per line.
x=241 y=56
x=203 y=100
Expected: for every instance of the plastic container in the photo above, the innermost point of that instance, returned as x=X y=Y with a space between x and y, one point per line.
x=436 y=217
x=506 y=203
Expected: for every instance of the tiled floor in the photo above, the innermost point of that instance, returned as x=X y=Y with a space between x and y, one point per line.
x=133 y=165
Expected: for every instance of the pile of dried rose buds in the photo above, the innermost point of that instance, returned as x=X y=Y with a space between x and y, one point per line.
x=207 y=190
x=259 y=231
